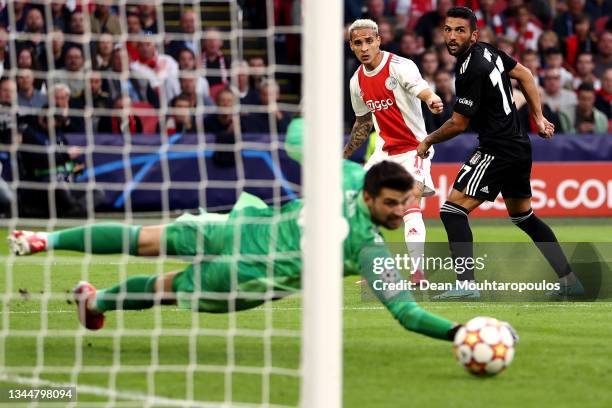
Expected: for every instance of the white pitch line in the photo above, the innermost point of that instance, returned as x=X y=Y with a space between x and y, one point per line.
x=364 y=308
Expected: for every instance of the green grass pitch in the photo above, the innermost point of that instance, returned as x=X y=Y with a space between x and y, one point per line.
x=563 y=359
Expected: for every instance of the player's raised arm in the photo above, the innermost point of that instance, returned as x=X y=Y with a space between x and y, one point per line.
x=451 y=128
x=523 y=75
x=359 y=133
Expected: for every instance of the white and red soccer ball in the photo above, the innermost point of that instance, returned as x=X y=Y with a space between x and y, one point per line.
x=484 y=346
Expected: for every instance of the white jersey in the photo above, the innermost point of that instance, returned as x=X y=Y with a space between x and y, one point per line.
x=390 y=93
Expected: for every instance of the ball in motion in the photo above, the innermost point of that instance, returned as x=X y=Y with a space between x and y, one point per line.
x=484 y=346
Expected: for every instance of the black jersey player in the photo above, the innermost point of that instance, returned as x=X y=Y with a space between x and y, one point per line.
x=502 y=161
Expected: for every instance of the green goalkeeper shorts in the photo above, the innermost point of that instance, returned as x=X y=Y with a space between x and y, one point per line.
x=209 y=286
x=241 y=259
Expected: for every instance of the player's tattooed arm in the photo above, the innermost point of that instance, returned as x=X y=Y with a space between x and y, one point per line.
x=361 y=130
x=451 y=128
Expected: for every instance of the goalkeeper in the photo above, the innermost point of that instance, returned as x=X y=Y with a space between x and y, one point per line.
x=253 y=253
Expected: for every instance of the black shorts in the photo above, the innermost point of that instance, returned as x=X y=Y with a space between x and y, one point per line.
x=484 y=176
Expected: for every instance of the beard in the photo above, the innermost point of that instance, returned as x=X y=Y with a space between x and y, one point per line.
x=460 y=48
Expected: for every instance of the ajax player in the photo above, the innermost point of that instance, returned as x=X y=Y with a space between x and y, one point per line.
x=386 y=91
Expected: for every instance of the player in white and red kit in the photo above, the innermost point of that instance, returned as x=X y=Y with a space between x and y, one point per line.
x=386 y=91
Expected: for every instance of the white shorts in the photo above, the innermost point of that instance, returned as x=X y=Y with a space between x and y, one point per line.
x=419 y=168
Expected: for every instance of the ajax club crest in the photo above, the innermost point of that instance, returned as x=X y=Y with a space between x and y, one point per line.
x=391 y=83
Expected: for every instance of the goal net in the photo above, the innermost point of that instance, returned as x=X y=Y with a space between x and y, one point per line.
x=141 y=138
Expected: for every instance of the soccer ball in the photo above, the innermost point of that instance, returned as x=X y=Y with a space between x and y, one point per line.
x=484 y=346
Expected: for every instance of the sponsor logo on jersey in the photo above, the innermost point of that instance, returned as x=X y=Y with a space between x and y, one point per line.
x=465 y=101
x=391 y=83
x=475 y=158
x=384 y=104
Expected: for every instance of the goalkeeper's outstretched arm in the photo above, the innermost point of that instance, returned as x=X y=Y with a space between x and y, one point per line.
x=400 y=303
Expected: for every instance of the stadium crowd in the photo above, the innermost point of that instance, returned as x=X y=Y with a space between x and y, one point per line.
x=88 y=67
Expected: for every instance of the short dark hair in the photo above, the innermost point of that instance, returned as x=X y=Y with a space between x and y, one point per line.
x=465 y=13
x=387 y=174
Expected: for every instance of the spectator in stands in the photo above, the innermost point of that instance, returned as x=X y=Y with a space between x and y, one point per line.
x=35 y=30
x=563 y=24
x=57 y=49
x=242 y=87
x=553 y=58
x=603 y=101
x=444 y=88
x=73 y=72
x=529 y=125
x=586 y=118
x=531 y=60
x=188 y=86
x=583 y=40
x=561 y=101
x=269 y=93
x=214 y=59
x=188 y=28
x=603 y=59
x=159 y=71
x=257 y=71
x=122 y=119
x=37 y=166
x=431 y=20
x=27 y=60
x=94 y=97
x=104 y=52
x=387 y=37
x=130 y=87
x=411 y=47
x=506 y=45
x=5 y=57
x=584 y=71
x=375 y=10
x=77 y=25
x=27 y=95
x=224 y=124
x=60 y=15
x=60 y=106
x=8 y=123
x=148 y=18
x=187 y=62
x=102 y=20
x=447 y=61
x=486 y=35
x=486 y=17
x=429 y=67
x=20 y=10
x=524 y=31
x=548 y=39
x=180 y=119
x=134 y=27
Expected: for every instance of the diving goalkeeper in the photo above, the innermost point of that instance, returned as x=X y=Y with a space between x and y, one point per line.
x=253 y=253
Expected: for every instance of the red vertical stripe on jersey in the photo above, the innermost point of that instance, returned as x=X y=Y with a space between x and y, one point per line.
x=381 y=101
